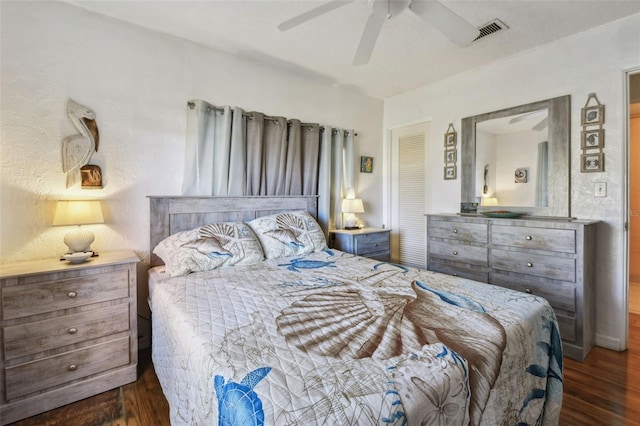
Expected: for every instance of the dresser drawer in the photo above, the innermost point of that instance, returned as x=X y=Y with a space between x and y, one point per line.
x=459 y=231
x=458 y=252
x=559 y=240
x=463 y=271
x=40 y=336
x=561 y=295
x=553 y=267
x=48 y=296
x=365 y=244
x=30 y=377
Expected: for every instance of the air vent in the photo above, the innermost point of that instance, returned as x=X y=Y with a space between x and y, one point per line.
x=491 y=28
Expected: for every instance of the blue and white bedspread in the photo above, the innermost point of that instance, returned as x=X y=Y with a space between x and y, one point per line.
x=335 y=339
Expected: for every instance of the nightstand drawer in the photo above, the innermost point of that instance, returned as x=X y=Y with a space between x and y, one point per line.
x=30 y=377
x=365 y=244
x=48 y=296
x=40 y=336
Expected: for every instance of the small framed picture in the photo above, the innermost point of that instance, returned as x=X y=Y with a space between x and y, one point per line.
x=592 y=162
x=449 y=172
x=593 y=115
x=450 y=139
x=592 y=138
x=366 y=164
x=91 y=177
x=521 y=175
x=450 y=155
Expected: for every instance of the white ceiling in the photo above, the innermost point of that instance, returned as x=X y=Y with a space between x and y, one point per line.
x=408 y=53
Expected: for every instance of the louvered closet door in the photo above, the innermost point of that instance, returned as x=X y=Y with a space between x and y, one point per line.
x=408 y=198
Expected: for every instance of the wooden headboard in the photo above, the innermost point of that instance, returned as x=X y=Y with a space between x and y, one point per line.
x=172 y=214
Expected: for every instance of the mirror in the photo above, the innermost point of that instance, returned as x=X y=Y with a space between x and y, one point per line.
x=518 y=158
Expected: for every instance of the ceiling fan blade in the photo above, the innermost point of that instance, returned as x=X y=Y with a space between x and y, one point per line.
x=529 y=116
x=542 y=124
x=448 y=23
x=368 y=39
x=313 y=13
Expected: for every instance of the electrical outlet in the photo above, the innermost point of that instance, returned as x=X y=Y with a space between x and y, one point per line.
x=600 y=189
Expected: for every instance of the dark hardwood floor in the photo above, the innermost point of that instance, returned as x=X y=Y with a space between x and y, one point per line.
x=603 y=390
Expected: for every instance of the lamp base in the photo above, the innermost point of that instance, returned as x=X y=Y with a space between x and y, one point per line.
x=351 y=228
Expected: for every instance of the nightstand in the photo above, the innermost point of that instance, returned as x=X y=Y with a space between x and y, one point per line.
x=68 y=331
x=368 y=242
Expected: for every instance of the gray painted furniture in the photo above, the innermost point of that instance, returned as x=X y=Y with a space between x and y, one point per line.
x=547 y=257
x=367 y=242
x=68 y=331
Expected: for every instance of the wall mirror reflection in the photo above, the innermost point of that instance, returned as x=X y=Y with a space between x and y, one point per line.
x=512 y=160
x=518 y=158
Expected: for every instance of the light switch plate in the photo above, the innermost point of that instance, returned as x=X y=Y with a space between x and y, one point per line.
x=600 y=189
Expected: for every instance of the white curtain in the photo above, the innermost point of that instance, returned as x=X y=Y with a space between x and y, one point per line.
x=336 y=176
x=542 y=173
x=231 y=152
x=214 y=151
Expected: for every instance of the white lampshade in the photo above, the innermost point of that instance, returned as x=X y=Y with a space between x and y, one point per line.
x=349 y=207
x=78 y=212
x=352 y=205
x=490 y=201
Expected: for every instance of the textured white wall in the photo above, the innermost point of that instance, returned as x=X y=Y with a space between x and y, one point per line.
x=592 y=61
x=138 y=82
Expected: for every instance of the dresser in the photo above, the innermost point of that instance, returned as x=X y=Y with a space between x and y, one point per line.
x=552 y=258
x=367 y=242
x=68 y=331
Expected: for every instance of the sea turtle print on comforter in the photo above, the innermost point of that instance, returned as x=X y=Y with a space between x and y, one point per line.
x=335 y=339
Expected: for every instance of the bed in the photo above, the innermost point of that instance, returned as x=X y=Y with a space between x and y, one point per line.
x=317 y=336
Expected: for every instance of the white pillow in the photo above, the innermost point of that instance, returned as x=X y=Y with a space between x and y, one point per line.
x=209 y=247
x=288 y=234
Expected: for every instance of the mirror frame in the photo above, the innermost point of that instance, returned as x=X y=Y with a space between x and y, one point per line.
x=559 y=159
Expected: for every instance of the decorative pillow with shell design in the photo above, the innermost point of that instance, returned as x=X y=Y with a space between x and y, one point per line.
x=209 y=247
x=288 y=234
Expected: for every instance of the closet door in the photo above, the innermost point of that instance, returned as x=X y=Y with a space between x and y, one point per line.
x=408 y=194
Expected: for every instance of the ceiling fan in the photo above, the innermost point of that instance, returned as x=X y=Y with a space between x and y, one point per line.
x=432 y=12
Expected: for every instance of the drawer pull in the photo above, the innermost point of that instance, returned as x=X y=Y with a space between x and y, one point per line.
x=72 y=294
x=528 y=238
x=455 y=275
x=72 y=367
x=528 y=291
x=455 y=231
x=455 y=253
x=72 y=330
x=529 y=264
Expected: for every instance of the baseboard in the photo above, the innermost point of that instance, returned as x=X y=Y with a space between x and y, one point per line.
x=608 y=342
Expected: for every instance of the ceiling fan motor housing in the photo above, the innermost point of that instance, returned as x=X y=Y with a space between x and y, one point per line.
x=387 y=8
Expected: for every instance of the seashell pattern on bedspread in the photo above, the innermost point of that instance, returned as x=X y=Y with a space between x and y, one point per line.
x=332 y=338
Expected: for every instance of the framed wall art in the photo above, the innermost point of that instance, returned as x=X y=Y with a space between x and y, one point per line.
x=450 y=172
x=592 y=162
x=366 y=164
x=450 y=137
x=592 y=139
x=450 y=155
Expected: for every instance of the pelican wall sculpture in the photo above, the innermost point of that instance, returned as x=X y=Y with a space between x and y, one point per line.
x=77 y=149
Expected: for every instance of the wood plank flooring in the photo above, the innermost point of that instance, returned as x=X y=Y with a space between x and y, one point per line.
x=603 y=390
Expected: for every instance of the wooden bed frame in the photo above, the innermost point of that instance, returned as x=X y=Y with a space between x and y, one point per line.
x=171 y=214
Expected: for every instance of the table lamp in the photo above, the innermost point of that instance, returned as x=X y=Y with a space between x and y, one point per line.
x=78 y=212
x=350 y=206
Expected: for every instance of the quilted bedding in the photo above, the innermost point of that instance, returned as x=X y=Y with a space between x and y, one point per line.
x=335 y=339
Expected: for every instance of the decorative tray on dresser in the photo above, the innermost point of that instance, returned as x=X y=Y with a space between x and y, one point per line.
x=552 y=258
x=68 y=331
